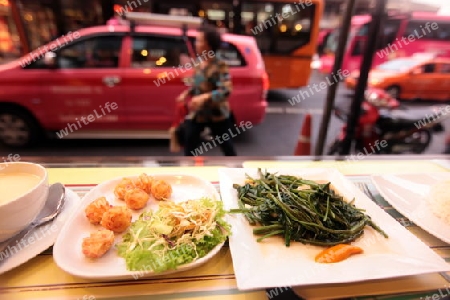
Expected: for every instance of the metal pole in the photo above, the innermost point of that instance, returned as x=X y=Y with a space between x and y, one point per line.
x=331 y=94
x=366 y=65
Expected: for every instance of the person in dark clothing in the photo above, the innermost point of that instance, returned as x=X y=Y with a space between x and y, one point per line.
x=209 y=92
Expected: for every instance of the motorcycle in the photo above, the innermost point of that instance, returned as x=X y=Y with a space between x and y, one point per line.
x=386 y=127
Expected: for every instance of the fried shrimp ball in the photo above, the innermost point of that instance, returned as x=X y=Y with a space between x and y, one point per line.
x=123 y=186
x=95 y=210
x=161 y=190
x=144 y=182
x=117 y=219
x=136 y=198
x=98 y=243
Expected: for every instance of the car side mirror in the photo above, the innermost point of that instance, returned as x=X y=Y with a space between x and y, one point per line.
x=50 y=60
x=416 y=72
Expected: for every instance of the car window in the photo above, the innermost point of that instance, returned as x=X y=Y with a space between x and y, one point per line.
x=229 y=53
x=445 y=68
x=429 y=68
x=388 y=33
x=399 y=65
x=292 y=29
x=33 y=63
x=97 y=52
x=418 y=27
x=158 y=52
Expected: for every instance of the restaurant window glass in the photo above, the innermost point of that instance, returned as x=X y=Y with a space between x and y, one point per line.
x=39 y=21
x=279 y=28
x=9 y=38
x=81 y=13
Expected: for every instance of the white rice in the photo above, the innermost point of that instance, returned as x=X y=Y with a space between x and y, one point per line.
x=440 y=200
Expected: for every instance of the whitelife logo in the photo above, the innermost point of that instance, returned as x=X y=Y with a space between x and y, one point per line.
x=183 y=68
x=273 y=20
x=86 y=120
x=405 y=41
x=56 y=44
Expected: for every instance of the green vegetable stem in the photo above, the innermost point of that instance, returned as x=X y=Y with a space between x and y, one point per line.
x=300 y=210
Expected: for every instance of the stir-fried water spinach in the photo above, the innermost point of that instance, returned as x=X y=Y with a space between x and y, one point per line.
x=300 y=210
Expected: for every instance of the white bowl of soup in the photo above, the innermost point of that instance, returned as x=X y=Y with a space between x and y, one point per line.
x=23 y=192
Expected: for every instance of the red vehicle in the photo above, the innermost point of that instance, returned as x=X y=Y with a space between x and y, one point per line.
x=401 y=36
x=385 y=127
x=119 y=81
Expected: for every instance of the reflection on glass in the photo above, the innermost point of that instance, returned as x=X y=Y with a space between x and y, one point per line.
x=279 y=28
x=9 y=39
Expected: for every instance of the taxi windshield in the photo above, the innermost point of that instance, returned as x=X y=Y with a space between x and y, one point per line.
x=399 y=65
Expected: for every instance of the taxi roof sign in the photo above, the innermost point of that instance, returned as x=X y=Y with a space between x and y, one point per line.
x=143 y=18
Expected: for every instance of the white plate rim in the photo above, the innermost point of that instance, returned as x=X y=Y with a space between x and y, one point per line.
x=420 y=222
x=49 y=239
x=225 y=172
x=58 y=249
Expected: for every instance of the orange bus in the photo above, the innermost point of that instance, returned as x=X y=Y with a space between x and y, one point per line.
x=289 y=44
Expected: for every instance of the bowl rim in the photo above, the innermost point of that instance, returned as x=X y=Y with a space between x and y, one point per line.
x=43 y=180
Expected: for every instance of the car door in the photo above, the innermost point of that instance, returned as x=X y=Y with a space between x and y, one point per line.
x=155 y=77
x=85 y=92
x=425 y=80
x=444 y=71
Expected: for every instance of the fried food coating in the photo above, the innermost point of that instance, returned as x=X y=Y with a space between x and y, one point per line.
x=136 y=198
x=95 y=210
x=98 y=243
x=117 y=219
x=124 y=185
x=161 y=190
x=144 y=182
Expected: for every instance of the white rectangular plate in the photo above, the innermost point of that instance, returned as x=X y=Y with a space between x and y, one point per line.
x=271 y=264
x=407 y=193
x=67 y=249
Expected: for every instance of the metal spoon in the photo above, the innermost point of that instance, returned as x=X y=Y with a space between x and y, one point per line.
x=52 y=207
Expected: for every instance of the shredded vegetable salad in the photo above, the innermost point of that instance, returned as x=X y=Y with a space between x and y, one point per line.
x=174 y=235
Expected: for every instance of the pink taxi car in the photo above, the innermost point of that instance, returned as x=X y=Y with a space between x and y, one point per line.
x=117 y=81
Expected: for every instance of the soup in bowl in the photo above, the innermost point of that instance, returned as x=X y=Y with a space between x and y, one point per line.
x=23 y=192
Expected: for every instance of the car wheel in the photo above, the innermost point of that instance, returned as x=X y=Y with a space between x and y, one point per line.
x=18 y=128
x=393 y=91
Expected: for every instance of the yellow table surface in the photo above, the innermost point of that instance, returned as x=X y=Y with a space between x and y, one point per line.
x=363 y=167
x=98 y=175
x=40 y=278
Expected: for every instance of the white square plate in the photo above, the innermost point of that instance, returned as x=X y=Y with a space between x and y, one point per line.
x=271 y=264
x=67 y=249
x=408 y=194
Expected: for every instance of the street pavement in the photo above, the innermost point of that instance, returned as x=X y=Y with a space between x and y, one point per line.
x=276 y=136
